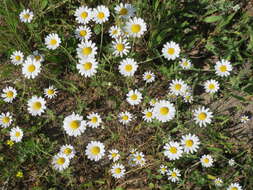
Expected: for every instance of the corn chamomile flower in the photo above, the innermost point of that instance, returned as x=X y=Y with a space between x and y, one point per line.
x=19 y=174
x=244 y=119
x=17 y=57
x=50 y=92
x=101 y=14
x=171 y=50
x=138 y=158
x=118 y=170
x=125 y=10
x=134 y=97
x=95 y=150
x=38 y=56
x=125 y=117
x=203 y=116
x=60 y=162
x=173 y=175
x=163 y=169
x=185 y=64
x=218 y=182
x=87 y=67
x=121 y=47
x=148 y=77
x=16 y=134
x=115 y=31
x=68 y=151
x=234 y=186
x=74 y=125
x=135 y=27
x=5 y=119
x=153 y=101
x=36 y=105
x=206 y=161
x=52 y=41
x=177 y=87
x=86 y=50
x=164 y=111
x=231 y=162
x=211 y=86
x=188 y=98
x=31 y=68
x=94 y=120
x=9 y=94
x=223 y=68
x=83 y=33
x=148 y=115
x=128 y=67
x=26 y=16
x=83 y=14
x=173 y=150
x=114 y=155
x=190 y=143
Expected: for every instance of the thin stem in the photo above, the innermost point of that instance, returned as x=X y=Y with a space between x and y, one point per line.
x=101 y=40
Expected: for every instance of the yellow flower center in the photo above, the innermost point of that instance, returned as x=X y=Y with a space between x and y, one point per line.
x=185 y=63
x=211 y=86
x=173 y=174
x=37 y=105
x=206 y=160
x=26 y=16
x=101 y=15
x=128 y=68
x=87 y=66
x=115 y=32
x=125 y=117
x=74 y=124
x=50 y=91
x=83 y=33
x=136 y=28
x=134 y=97
x=95 y=150
x=123 y=11
x=120 y=47
x=117 y=170
x=189 y=143
x=31 y=68
x=149 y=114
x=53 y=42
x=163 y=169
x=67 y=151
x=87 y=51
x=148 y=76
x=5 y=120
x=171 y=51
x=164 y=111
x=178 y=86
x=94 y=120
x=9 y=94
x=60 y=161
x=114 y=155
x=223 y=68
x=84 y=15
x=138 y=157
x=234 y=188
x=17 y=134
x=173 y=150
x=18 y=58
x=202 y=116
x=37 y=57
x=153 y=101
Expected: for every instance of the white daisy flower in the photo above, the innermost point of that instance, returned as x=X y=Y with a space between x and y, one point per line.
x=16 y=134
x=174 y=174
x=211 y=86
x=68 y=151
x=125 y=10
x=148 y=115
x=95 y=150
x=52 y=41
x=115 y=31
x=74 y=125
x=86 y=50
x=185 y=64
x=148 y=77
x=173 y=150
x=218 y=182
x=31 y=68
x=83 y=15
x=178 y=87
x=203 y=116
x=234 y=186
x=206 y=161
x=244 y=119
x=101 y=14
x=138 y=158
x=153 y=101
x=163 y=169
x=171 y=50
x=87 y=67
x=188 y=98
x=135 y=27
x=190 y=143
x=125 y=117
x=38 y=56
x=134 y=97
x=118 y=170
x=114 y=155
x=223 y=68
x=121 y=47
x=231 y=162
x=94 y=120
x=128 y=67
x=60 y=162
x=5 y=119
x=83 y=33
x=26 y=16
x=50 y=92
x=164 y=111
x=17 y=57
x=9 y=94
x=36 y=105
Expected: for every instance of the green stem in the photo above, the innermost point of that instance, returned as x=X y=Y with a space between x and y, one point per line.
x=101 y=40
